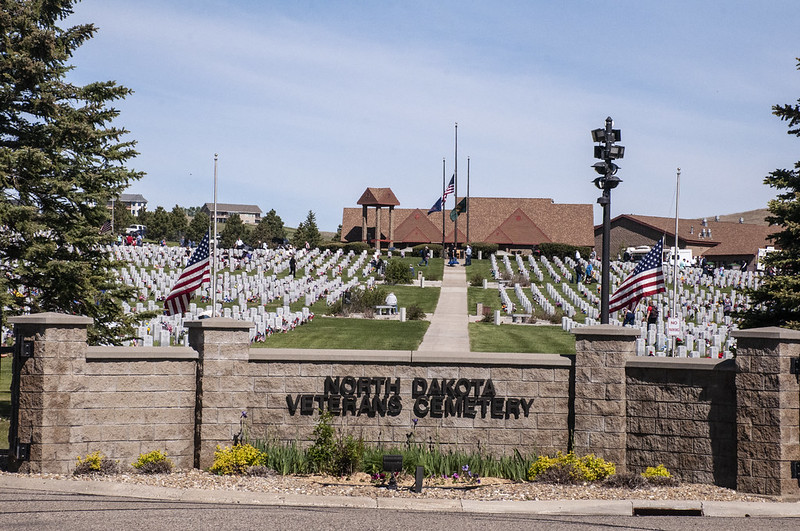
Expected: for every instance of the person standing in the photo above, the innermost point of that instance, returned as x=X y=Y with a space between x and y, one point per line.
x=468 y=254
x=293 y=266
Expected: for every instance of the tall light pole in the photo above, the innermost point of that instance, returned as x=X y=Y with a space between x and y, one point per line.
x=608 y=180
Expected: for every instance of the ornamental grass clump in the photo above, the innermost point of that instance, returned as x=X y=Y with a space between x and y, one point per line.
x=569 y=468
x=95 y=463
x=237 y=459
x=155 y=462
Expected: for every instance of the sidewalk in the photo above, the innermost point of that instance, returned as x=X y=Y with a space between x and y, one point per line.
x=629 y=507
x=448 y=331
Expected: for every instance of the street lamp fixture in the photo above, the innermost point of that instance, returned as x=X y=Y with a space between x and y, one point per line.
x=607 y=151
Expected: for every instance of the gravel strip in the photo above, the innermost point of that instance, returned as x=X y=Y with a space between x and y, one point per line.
x=360 y=485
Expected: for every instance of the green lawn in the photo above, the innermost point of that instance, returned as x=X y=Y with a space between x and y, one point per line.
x=480 y=267
x=487 y=337
x=425 y=298
x=360 y=334
x=489 y=297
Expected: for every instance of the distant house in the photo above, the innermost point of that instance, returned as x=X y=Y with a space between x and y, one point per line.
x=512 y=223
x=720 y=242
x=135 y=203
x=250 y=214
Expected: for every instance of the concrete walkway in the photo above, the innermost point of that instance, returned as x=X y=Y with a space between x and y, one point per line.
x=448 y=331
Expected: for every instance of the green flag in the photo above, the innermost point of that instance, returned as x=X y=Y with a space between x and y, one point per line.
x=460 y=207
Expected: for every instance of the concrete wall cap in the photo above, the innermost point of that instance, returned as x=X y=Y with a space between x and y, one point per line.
x=768 y=332
x=702 y=364
x=51 y=318
x=521 y=359
x=299 y=355
x=219 y=323
x=606 y=330
x=140 y=353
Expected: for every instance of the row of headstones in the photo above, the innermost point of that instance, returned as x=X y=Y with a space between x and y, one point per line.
x=534 y=267
x=586 y=307
x=555 y=296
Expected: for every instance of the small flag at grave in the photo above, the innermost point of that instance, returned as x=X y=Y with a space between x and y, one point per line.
x=647 y=279
x=106 y=228
x=196 y=273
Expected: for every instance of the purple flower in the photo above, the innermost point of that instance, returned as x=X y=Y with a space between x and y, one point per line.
x=455 y=476
x=465 y=468
x=415 y=421
x=244 y=414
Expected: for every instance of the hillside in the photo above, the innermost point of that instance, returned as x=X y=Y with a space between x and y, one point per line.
x=755 y=217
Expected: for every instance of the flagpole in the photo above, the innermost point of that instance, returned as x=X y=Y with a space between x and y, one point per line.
x=443 y=203
x=467 y=201
x=214 y=254
x=675 y=258
x=455 y=195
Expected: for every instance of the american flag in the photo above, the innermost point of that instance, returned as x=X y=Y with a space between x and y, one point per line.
x=647 y=279
x=196 y=273
x=451 y=188
x=106 y=228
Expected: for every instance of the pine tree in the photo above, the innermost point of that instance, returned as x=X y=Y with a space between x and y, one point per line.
x=158 y=224
x=269 y=228
x=233 y=229
x=198 y=227
x=307 y=231
x=178 y=223
x=777 y=301
x=61 y=161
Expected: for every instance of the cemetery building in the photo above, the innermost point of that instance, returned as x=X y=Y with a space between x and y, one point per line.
x=135 y=203
x=512 y=223
x=722 y=242
x=250 y=214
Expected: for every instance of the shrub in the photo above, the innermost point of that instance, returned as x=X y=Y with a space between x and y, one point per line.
x=476 y=280
x=260 y=471
x=656 y=471
x=332 y=246
x=356 y=247
x=347 y=459
x=236 y=459
x=486 y=249
x=415 y=313
x=563 y=249
x=155 y=462
x=570 y=469
x=397 y=272
x=95 y=463
x=320 y=454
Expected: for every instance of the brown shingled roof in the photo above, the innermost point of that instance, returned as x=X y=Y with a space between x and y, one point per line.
x=491 y=219
x=378 y=197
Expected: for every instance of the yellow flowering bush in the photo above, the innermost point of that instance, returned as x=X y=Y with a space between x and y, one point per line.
x=569 y=468
x=155 y=462
x=659 y=471
x=95 y=462
x=237 y=459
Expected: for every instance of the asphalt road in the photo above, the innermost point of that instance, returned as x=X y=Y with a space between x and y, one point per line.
x=42 y=510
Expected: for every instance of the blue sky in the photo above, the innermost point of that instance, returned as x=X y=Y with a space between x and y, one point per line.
x=308 y=103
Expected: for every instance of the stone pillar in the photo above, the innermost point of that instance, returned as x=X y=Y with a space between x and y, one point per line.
x=767 y=411
x=391 y=226
x=600 y=391
x=364 y=223
x=223 y=384
x=378 y=228
x=45 y=382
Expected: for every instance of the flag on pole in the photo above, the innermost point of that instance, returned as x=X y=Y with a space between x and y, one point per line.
x=196 y=273
x=451 y=188
x=647 y=279
x=106 y=228
x=437 y=207
x=460 y=208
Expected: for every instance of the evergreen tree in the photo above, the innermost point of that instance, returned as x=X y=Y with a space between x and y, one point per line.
x=777 y=300
x=198 y=227
x=307 y=231
x=177 y=223
x=338 y=236
x=233 y=229
x=61 y=162
x=159 y=224
x=122 y=218
x=269 y=228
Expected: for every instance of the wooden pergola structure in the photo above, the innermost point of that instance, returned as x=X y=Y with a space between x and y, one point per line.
x=378 y=198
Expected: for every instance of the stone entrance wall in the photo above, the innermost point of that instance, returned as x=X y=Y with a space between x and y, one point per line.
x=707 y=420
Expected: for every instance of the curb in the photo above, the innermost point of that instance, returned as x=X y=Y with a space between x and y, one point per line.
x=630 y=507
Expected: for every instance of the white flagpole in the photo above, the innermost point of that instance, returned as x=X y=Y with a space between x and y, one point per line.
x=214 y=254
